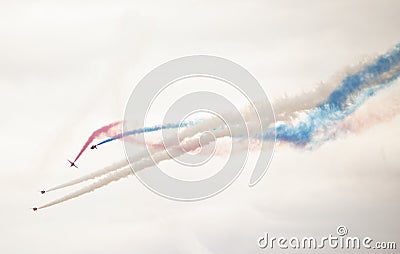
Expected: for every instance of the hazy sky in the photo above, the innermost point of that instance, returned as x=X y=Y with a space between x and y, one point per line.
x=68 y=67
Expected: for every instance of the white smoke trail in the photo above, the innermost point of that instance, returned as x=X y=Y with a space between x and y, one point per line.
x=90 y=176
x=111 y=177
x=206 y=125
x=286 y=106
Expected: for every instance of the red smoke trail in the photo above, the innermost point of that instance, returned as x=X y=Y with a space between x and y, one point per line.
x=105 y=130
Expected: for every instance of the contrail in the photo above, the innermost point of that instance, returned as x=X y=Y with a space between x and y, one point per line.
x=102 y=131
x=309 y=125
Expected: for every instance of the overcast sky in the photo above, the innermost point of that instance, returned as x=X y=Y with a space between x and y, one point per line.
x=68 y=67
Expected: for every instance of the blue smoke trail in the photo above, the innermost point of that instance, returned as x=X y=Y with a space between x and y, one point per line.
x=354 y=90
x=147 y=129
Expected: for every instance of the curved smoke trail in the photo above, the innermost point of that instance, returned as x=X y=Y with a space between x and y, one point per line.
x=102 y=131
x=309 y=126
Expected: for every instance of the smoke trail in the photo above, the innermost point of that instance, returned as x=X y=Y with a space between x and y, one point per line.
x=103 y=130
x=285 y=108
x=309 y=127
x=115 y=175
x=193 y=144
